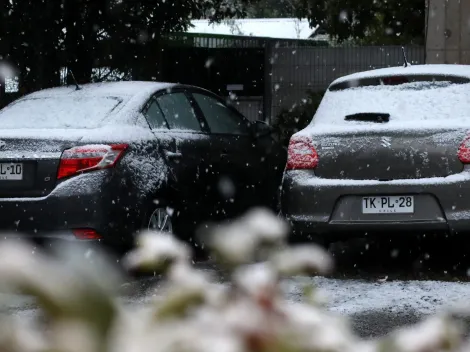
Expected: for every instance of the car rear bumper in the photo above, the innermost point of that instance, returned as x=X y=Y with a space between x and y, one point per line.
x=87 y=201
x=334 y=207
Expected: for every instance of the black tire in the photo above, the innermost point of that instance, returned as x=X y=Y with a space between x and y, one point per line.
x=183 y=225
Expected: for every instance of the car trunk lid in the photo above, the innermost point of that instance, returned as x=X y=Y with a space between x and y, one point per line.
x=28 y=166
x=389 y=155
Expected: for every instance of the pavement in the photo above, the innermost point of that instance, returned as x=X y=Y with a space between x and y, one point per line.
x=378 y=287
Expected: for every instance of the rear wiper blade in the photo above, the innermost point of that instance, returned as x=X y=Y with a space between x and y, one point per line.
x=369 y=117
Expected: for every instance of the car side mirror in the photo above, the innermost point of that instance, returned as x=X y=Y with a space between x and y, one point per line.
x=261 y=129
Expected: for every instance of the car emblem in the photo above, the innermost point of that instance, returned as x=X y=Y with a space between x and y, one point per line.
x=2 y=144
x=386 y=142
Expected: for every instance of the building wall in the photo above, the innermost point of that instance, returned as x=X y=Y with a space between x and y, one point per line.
x=448 y=32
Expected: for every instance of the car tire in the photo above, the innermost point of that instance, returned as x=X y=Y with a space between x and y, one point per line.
x=161 y=216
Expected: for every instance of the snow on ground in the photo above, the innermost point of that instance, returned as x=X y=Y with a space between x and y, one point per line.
x=344 y=296
x=349 y=297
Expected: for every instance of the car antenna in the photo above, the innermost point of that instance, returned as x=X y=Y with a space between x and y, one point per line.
x=404 y=57
x=77 y=87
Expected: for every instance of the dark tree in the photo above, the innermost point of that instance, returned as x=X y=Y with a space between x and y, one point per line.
x=272 y=9
x=367 y=21
x=41 y=37
x=30 y=36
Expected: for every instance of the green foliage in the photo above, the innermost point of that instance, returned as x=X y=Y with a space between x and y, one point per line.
x=298 y=117
x=376 y=22
x=271 y=9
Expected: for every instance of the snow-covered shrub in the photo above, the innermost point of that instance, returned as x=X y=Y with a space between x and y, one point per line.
x=191 y=310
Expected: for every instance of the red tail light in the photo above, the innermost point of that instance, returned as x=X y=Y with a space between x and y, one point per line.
x=464 y=151
x=88 y=158
x=301 y=154
x=86 y=234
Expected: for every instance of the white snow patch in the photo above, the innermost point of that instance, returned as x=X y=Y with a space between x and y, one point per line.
x=149 y=173
x=118 y=133
x=448 y=70
x=412 y=105
x=60 y=106
x=288 y=28
x=350 y=297
x=345 y=297
x=306 y=178
x=52 y=113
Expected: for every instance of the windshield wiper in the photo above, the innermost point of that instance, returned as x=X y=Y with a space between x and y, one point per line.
x=369 y=117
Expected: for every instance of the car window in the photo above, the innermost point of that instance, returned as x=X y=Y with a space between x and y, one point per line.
x=178 y=112
x=220 y=118
x=61 y=112
x=155 y=116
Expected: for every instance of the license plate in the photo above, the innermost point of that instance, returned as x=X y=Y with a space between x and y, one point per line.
x=11 y=172
x=388 y=205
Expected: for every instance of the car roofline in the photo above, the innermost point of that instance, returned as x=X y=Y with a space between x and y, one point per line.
x=426 y=69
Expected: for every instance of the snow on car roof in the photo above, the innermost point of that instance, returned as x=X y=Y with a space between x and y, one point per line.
x=442 y=69
x=88 y=108
x=119 y=89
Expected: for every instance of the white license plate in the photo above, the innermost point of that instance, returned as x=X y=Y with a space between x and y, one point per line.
x=11 y=172
x=388 y=205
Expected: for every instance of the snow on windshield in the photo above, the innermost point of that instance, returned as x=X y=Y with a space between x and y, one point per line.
x=57 y=112
x=416 y=104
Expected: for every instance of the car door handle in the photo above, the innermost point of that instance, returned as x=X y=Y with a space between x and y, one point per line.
x=173 y=155
x=224 y=153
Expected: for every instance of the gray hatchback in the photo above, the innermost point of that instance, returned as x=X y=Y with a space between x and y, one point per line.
x=387 y=151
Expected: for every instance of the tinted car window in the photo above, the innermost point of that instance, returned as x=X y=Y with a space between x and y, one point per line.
x=220 y=118
x=179 y=112
x=155 y=116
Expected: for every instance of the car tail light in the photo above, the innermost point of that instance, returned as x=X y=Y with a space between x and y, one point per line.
x=88 y=158
x=301 y=154
x=86 y=234
x=464 y=151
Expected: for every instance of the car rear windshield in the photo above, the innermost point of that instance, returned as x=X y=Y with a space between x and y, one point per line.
x=58 y=112
x=404 y=100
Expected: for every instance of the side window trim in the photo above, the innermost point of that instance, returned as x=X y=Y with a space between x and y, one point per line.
x=242 y=118
x=199 y=115
x=146 y=108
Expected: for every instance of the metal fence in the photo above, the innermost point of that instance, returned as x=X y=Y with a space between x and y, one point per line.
x=266 y=75
x=282 y=75
x=296 y=70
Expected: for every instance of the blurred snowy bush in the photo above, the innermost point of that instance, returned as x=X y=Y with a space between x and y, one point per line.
x=191 y=311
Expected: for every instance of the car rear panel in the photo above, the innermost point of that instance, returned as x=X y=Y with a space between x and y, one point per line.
x=388 y=155
x=39 y=160
x=317 y=205
x=40 y=205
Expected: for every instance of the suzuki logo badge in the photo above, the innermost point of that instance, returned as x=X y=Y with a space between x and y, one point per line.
x=386 y=142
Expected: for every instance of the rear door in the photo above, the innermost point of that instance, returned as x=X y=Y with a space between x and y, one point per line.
x=235 y=152
x=187 y=148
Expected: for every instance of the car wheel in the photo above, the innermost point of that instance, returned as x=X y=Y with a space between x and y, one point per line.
x=180 y=224
x=161 y=220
